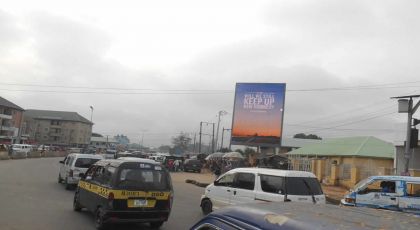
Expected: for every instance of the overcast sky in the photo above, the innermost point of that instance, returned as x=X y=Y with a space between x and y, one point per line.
x=189 y=55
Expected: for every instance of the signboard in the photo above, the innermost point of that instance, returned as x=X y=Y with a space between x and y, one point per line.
x=258 y=114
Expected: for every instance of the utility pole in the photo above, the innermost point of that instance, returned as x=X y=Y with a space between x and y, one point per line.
x=199 y=142
x=195 y=136
x=91 y=114
x=405 y=105
x=223 y=136
x=221 y=113
x=212 y=141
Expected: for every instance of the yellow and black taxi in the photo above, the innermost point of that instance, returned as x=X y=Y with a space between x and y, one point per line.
x=125 y=190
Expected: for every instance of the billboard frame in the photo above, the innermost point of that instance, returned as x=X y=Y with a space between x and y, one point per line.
x=253 y=144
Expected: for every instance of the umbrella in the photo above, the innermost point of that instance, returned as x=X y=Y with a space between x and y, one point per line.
x=214 y=156
x=233 y=155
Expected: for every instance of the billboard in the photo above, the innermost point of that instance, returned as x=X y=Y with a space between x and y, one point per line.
x=258 y=114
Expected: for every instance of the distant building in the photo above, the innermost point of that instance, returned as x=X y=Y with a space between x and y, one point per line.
x=345 y=161
x=11 y=117
x=103 y=142
x=414 y=163
x=122 y=140
x=57 y=128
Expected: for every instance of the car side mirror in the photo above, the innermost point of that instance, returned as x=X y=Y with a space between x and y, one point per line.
x=61 y=162
x=82 y=175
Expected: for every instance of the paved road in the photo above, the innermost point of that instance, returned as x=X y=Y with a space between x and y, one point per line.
x=31 y=198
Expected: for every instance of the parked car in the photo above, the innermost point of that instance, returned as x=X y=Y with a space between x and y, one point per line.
x=251 y=185
x=390 y=192
x=193 y=165
x=300 y=216
x=125 y=190
x=43 y=148
x=73 y=165
x=21 y=148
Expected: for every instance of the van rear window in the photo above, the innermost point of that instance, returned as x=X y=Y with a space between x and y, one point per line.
x=143 y=179
x=85 y=162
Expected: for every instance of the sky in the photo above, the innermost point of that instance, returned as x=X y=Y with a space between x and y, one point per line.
x=157 y=68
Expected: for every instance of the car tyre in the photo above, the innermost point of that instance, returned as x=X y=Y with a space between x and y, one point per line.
x=156 y=225
x=76 y=205
x=206 y=206
x=99 y=219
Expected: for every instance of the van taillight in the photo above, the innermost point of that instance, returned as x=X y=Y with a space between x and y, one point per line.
x=71 y=173
x=111 y=196
x=169 y=204
x=111 y=199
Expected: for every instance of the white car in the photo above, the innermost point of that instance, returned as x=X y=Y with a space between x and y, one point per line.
x=252 y=185
x=73 y=165
x=21 y=148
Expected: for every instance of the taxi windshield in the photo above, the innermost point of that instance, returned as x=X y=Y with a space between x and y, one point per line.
x=142 y=179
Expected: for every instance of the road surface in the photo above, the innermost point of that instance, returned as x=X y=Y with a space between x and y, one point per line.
x=31 y=198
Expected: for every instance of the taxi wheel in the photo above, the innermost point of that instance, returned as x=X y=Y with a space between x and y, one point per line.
x=99 y=219
x=206 y=206
x=76 y=205
x=156 y=225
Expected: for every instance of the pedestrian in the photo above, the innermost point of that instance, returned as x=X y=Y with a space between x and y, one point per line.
x=176 y=165
x=171 y=165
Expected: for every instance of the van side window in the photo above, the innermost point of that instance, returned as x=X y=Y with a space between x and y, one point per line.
x=413 y=189
x=244 y=181
x=226 y=180
x=98 y=175
x=381 y=186
x=272 y=184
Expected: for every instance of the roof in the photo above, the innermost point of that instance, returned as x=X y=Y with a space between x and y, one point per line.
x=103 y=139
x=348 y=146
x=392 y=178
x=55 y=115
x=9 y=104
x=121 y=160
x=82 y=155
x=293 y=215
x=274 y=172
x=297 y=142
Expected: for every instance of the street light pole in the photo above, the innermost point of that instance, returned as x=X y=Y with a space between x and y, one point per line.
x=406 y=106
x=199 y=142
x=221 y=113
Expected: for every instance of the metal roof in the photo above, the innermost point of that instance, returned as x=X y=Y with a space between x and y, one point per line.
x=297 y=142
x=55 y=115
x=6 y=103
x=349 y=146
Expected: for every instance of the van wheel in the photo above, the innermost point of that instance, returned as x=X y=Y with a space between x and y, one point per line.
x=67 y=185
x=76 y=202
x=99 y=219
x=206 y=206
x=156 y=225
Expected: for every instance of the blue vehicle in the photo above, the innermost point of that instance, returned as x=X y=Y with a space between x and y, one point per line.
x=400 y=193
x=295 y=215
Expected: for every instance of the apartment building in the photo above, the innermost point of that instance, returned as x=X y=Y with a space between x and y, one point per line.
x=10 y=122
x=58 y=128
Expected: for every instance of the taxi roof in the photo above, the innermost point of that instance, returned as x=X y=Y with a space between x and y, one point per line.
x=274 y=172
x=121 y=160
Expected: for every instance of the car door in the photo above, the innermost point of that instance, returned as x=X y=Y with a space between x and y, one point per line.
x=243 y=188
x=221 y=191
x=270 y=188
x=86 y=189
x=376 y=195
x=410 y=201
x=63 y=169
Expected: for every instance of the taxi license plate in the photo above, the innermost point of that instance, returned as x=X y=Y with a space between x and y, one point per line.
x=139 y=203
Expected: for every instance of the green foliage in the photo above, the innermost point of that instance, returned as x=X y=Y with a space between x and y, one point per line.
x=309 y=136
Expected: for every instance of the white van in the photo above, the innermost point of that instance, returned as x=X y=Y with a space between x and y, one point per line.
x=73 y=165
x=249 y=185
x=21 y=148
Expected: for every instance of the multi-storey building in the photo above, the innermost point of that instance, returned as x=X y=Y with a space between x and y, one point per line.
x=57 y=128
x=10 y=122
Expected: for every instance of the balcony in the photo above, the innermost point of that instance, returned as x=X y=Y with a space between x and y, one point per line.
x=8 y=128
x=5 y=116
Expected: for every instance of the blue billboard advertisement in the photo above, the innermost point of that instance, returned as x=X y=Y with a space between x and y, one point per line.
x=258 y=114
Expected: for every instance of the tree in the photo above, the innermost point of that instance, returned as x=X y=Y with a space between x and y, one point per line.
x=181 y=141
x=309 y=136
